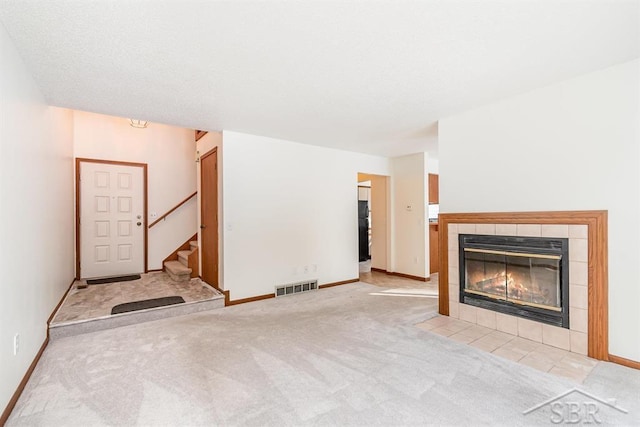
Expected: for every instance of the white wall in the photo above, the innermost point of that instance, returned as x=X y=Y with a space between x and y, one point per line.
x=287 y=205
x=433 y=165
x=410 y=243
x=570 y=146
x=169 y=153
x=37 y=215
x=203 y=146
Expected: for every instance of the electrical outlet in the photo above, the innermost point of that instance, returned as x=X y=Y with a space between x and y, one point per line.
x=415 y=260
x=16 y=344
x=153 y=215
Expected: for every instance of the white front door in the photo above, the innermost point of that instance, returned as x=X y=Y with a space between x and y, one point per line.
x=112 y=219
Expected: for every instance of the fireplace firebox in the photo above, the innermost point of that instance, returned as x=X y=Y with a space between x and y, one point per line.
x=522 y=276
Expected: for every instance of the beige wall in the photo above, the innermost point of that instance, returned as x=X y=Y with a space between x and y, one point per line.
x=410 y=243
x=170 y=155
x=36 y=215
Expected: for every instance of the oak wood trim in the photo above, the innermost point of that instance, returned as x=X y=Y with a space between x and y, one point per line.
x=199 y=134
x=155 y=270
x=250 y=299
x=229 y=301
x=342 y=282
x=227 y=295
x=145 y=205
x=192 y=261
x=16 y=395
x=183 y=247
x=408 y=276
x=596 y=221
x=624 y=361
x=379 y=270
x=55 y=310
x=160 y=218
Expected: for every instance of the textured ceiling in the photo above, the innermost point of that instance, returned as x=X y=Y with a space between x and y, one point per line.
x=363 y=76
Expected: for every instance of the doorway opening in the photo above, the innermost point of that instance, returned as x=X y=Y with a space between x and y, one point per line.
x=373 y=228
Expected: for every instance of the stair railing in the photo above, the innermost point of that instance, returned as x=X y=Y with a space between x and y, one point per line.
x=172 y=209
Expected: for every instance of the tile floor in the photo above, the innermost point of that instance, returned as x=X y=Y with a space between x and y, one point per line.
x=536 y=355
x=539 y=356
x=96 y=301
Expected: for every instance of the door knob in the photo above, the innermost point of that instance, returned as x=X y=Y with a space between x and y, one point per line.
x=203 y=226
x=138 y=223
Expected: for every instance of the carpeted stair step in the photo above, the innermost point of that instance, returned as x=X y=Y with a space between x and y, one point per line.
x=177 y=271
x=193 y=244
x=183 y=257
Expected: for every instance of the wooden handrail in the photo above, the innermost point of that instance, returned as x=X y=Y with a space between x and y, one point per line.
x=172 y=209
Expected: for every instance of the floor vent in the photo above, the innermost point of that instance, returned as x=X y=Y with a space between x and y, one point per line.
x=294 y=288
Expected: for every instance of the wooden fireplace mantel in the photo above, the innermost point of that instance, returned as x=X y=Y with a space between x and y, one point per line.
x=596 y=221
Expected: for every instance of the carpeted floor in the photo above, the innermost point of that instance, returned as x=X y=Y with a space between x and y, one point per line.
x=338 y=356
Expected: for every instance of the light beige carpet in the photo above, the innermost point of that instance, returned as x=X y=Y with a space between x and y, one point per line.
x=338 y=356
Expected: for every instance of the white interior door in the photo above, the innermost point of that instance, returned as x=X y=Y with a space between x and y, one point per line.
x=111 y=220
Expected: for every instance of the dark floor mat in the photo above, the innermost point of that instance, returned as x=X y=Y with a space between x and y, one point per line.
x=144 y=304
x=113 y=279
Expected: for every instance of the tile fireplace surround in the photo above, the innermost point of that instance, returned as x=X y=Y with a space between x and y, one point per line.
x=587 y=234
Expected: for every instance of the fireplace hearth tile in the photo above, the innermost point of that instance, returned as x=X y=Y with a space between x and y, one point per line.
x=454 y=309
x=465 y=339
x=475 y=331
x=578 y=250
x=490 y=339
x=578 y=296
x=502 y=336
x=521 y=345
x=579 y=342
x=508 y=354
x=485 y=344
x=486 y=318
x=443 y=331
x=486 y=229
x=537 y=363
x=506 y=323
x=454 y=276
x=453 y=242
x=453 y=259
x=468 y=313
x=536 y=355
x=506 y=229
x=578 y=319
x=529 y=230
x=578 y=231
x=578 y=361
x=556 y=337
x=529 y=329
x=555 y=230
x=466 y=229
x=578 y=273
x=454 y=292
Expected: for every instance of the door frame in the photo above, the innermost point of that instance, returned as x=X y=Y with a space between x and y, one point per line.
x=214 y=150
x=144 y=196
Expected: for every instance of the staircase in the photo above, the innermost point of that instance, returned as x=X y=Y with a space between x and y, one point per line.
x=185 y=266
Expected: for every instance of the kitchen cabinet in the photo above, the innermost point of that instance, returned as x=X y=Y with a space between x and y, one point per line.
x=433 y=189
